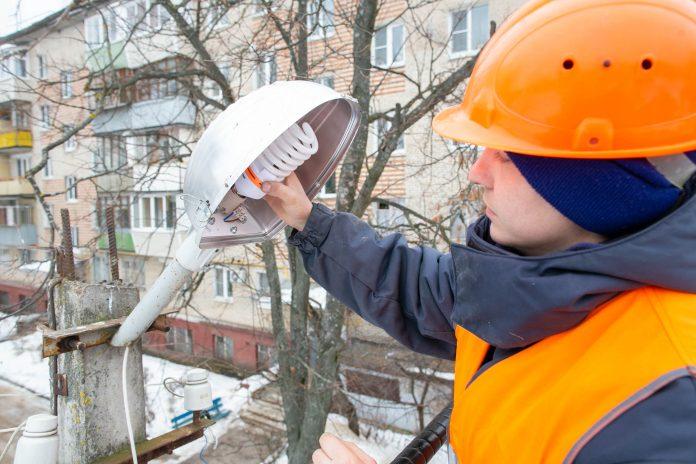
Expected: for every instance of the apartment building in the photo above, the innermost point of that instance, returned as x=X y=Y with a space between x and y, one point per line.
x=132 y=152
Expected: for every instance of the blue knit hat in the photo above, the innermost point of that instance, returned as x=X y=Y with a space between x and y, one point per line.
x=609 y=197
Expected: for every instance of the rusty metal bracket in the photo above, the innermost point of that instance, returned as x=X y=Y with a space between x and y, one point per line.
x=61 y=385
x=82 y=337
x=164 y=444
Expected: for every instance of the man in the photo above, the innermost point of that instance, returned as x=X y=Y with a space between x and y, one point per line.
x=571 y=309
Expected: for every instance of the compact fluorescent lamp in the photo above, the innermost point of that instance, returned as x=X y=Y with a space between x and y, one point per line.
x=288 y=126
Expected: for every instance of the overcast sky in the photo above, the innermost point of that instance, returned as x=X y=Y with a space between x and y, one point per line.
x=28 y=11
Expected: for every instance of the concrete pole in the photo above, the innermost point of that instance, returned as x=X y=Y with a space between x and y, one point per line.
x=91 y=418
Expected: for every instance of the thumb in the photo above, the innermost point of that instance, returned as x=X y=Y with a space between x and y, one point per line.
x=275 y=189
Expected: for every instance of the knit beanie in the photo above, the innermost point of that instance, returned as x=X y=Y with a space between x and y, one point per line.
x=610 y=197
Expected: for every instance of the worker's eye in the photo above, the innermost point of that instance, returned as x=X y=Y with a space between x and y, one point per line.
x=502 y=156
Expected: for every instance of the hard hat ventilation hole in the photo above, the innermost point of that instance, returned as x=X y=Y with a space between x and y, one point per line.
x=568 y=64
x=646 y=63
x=594 y=141
x=606 y=63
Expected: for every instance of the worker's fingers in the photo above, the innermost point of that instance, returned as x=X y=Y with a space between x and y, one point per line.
x=363 y=456
x=338 y=450
x=320 y=457
x=276 y=189
x=293 y=182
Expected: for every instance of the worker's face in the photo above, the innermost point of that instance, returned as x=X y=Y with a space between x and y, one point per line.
x=520 y=217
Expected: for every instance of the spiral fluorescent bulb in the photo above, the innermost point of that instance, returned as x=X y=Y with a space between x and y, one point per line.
x=283 y=156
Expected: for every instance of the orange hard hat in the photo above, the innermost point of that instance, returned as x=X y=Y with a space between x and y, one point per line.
x=584 y=79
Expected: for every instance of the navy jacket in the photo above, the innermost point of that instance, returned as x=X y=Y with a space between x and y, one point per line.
x=417 y=295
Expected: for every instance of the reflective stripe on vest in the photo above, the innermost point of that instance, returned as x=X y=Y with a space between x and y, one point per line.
x=545 y=403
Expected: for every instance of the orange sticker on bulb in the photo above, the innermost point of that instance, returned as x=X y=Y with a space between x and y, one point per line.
x=252 y=177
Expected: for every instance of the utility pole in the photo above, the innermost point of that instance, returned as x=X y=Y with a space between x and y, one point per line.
x=88 y=387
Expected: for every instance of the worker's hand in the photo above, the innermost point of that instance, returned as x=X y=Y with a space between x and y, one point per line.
x=288 y=200
x=336 y=451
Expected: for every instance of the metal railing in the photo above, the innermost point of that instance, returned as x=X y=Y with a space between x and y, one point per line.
x=424 y=446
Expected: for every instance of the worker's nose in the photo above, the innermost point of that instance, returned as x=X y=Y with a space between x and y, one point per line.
x=481 y=172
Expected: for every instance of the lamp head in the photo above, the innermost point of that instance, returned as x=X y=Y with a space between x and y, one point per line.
x=241 y=135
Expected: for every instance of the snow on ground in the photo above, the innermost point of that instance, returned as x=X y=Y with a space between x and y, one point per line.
x=21 y=364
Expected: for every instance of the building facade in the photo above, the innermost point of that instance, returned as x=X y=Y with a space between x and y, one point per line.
x=72 y=91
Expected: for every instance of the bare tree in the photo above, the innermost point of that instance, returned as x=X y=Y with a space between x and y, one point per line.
x=207 y=51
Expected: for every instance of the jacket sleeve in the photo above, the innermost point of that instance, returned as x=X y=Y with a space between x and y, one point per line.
x=407 y=291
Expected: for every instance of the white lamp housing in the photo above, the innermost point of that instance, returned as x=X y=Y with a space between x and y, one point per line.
x=39 y=441
x=198 y=394
x=288 y=126
x=239 y=137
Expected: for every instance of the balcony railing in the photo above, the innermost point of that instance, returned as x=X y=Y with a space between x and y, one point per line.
x=18 y=236
x=15 y=186
x=15 y=140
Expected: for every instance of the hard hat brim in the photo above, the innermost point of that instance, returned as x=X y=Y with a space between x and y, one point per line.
x=454 y=123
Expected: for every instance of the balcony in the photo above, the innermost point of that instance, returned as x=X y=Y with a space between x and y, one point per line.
x=124 y=241
x=16 y=228
x=15 y=141
x=146 y=115
x=15 y=186
x=14 y=88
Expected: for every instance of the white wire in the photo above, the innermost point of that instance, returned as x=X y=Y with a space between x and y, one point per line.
x=9 y=443
x=131 y=440
x=8 y=430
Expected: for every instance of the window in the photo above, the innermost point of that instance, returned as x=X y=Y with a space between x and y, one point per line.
x=101 y=271
x=121 y=211
x=75 y=235
x=20 y=62
x=264 y=288
x=135 y=14
x=48 y=168
x=20 y=118
x=94 y=30
x=469 y=30
x=70 y=143
x=71 y=188
x=41 y=70
x=266 y=71
x=110 y=154
x=320 y=18
x=133 y=270
x=45 y=117
x=159 y=17
x=4 y=298
x=388 y=46
x=329 y=188
x=265 y=356
x=381 y=126
x=217 y=16
x=325 y=80
x=66 y=84
x=153 y=148
x=223 y=347
x=211 y=88
x=388 y=216
x=224 y=278
x=22 y=164
x=180 y=339
x=154 y=211
x=157 y=88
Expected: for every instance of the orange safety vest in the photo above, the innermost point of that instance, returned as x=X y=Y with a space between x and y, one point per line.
x=546 y=402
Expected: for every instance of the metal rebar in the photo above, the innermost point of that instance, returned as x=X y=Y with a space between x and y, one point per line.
x=68 y=259
x=53 y=361
x=113 y=249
